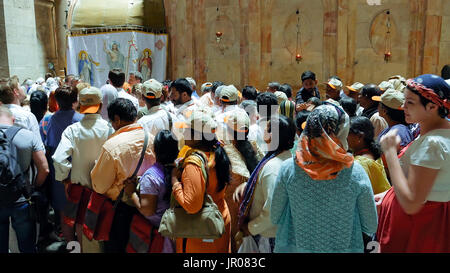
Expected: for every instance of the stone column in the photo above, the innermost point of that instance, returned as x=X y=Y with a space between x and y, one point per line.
x=4 y=65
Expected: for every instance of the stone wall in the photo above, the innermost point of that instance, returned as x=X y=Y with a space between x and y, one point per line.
x=25 y=54
x=343 y=37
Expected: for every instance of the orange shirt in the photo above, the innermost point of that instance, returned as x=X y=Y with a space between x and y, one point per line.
x=119 y=158
x=189 y=193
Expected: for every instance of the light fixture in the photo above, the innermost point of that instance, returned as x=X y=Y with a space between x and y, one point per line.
x=388 y=46
x=218 y=36
x=298 y=50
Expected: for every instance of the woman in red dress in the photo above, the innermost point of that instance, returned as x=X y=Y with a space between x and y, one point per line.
x=414 y=215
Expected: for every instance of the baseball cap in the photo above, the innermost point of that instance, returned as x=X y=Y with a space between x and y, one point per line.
x=398 y=84
x=385 y=85
x=281 y=96
x=191 y=81
x=237 y=121
x=90 y=100
x=199 y=121
x=206 y=85
x=229 y=93
x=152 y=89
x=356 y=87
x=335 y=84
x=392 y=98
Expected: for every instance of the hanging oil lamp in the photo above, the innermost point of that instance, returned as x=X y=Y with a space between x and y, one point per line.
x=298 y=56
x=218 y=36
x=387 y=52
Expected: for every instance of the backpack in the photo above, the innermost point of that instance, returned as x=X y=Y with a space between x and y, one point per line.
x=12 y=181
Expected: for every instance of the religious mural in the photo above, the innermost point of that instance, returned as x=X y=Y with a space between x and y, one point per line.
x=91 y=57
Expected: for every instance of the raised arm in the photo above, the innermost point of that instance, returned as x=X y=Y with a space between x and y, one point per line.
x=411 y=192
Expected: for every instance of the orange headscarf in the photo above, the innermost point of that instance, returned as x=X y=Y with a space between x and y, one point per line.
x=320 y=153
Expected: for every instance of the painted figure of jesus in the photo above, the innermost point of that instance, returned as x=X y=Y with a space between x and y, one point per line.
x=114 y=57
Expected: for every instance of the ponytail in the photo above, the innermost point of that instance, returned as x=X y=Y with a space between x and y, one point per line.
x=166 y=150
x=246 y=150
x=374 y=147
x=223 y=166
x=168 y=168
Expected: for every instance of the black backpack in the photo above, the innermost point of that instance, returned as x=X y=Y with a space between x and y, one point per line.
x=12 y=181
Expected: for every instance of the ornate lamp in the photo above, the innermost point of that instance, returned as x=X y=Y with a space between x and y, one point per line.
x=298 y=50
x=388 y=46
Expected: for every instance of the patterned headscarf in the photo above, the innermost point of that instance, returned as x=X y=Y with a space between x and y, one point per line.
x=321 y=153
x=287 y=109
x=433 y=88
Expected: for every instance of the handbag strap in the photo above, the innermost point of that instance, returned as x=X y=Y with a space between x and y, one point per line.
x=169 y=117
x=141 y=159
x=204 y=168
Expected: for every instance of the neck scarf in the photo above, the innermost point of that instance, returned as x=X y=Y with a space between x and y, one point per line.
x=320 y=153
x=244 y=208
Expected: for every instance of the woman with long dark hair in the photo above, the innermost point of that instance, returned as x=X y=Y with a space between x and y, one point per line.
x=367 y=152
x=188 y=188
x=256 y=194
x=156 y=186
x=244 y=158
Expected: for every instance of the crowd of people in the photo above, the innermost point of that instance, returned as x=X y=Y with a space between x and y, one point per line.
x=312 y=171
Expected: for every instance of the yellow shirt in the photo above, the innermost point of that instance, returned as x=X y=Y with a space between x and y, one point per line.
x=119 y=158
x=375 y=171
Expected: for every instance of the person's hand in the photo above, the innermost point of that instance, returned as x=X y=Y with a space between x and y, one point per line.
x=66 y=183
x=390 y=141
x=130 y=186
x=239 y=193
x=379 y=199
x=301 y=106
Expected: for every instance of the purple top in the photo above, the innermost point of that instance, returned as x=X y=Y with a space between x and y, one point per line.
x=403 y=132
x=152 y=182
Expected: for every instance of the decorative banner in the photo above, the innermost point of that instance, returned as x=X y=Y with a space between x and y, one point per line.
x=92 y=56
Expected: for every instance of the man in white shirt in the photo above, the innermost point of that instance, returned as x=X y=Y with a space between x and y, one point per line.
x=205 y=99
x=229 y=99
x=82 y=142
x=117 y=79
x=353 y=93
x=11 y=96
x=194 y=95
x=158 y=118
x=109 y=94
x=180 y=95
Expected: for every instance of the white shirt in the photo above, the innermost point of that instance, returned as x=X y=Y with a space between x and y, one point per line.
x=262 y=198
x=168 y=105
x=220 y=119
x=432 y=151
x=109 y=94
x=221 y=114
x=206 y=100
x=25 y=119
x=83 y=141
x=157 y=120
x=184 y=111
x=122 y=94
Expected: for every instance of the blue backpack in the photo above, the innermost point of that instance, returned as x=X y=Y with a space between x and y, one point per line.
x=12 y=180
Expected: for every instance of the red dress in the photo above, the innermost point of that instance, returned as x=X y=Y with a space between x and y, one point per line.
x=428 y=231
